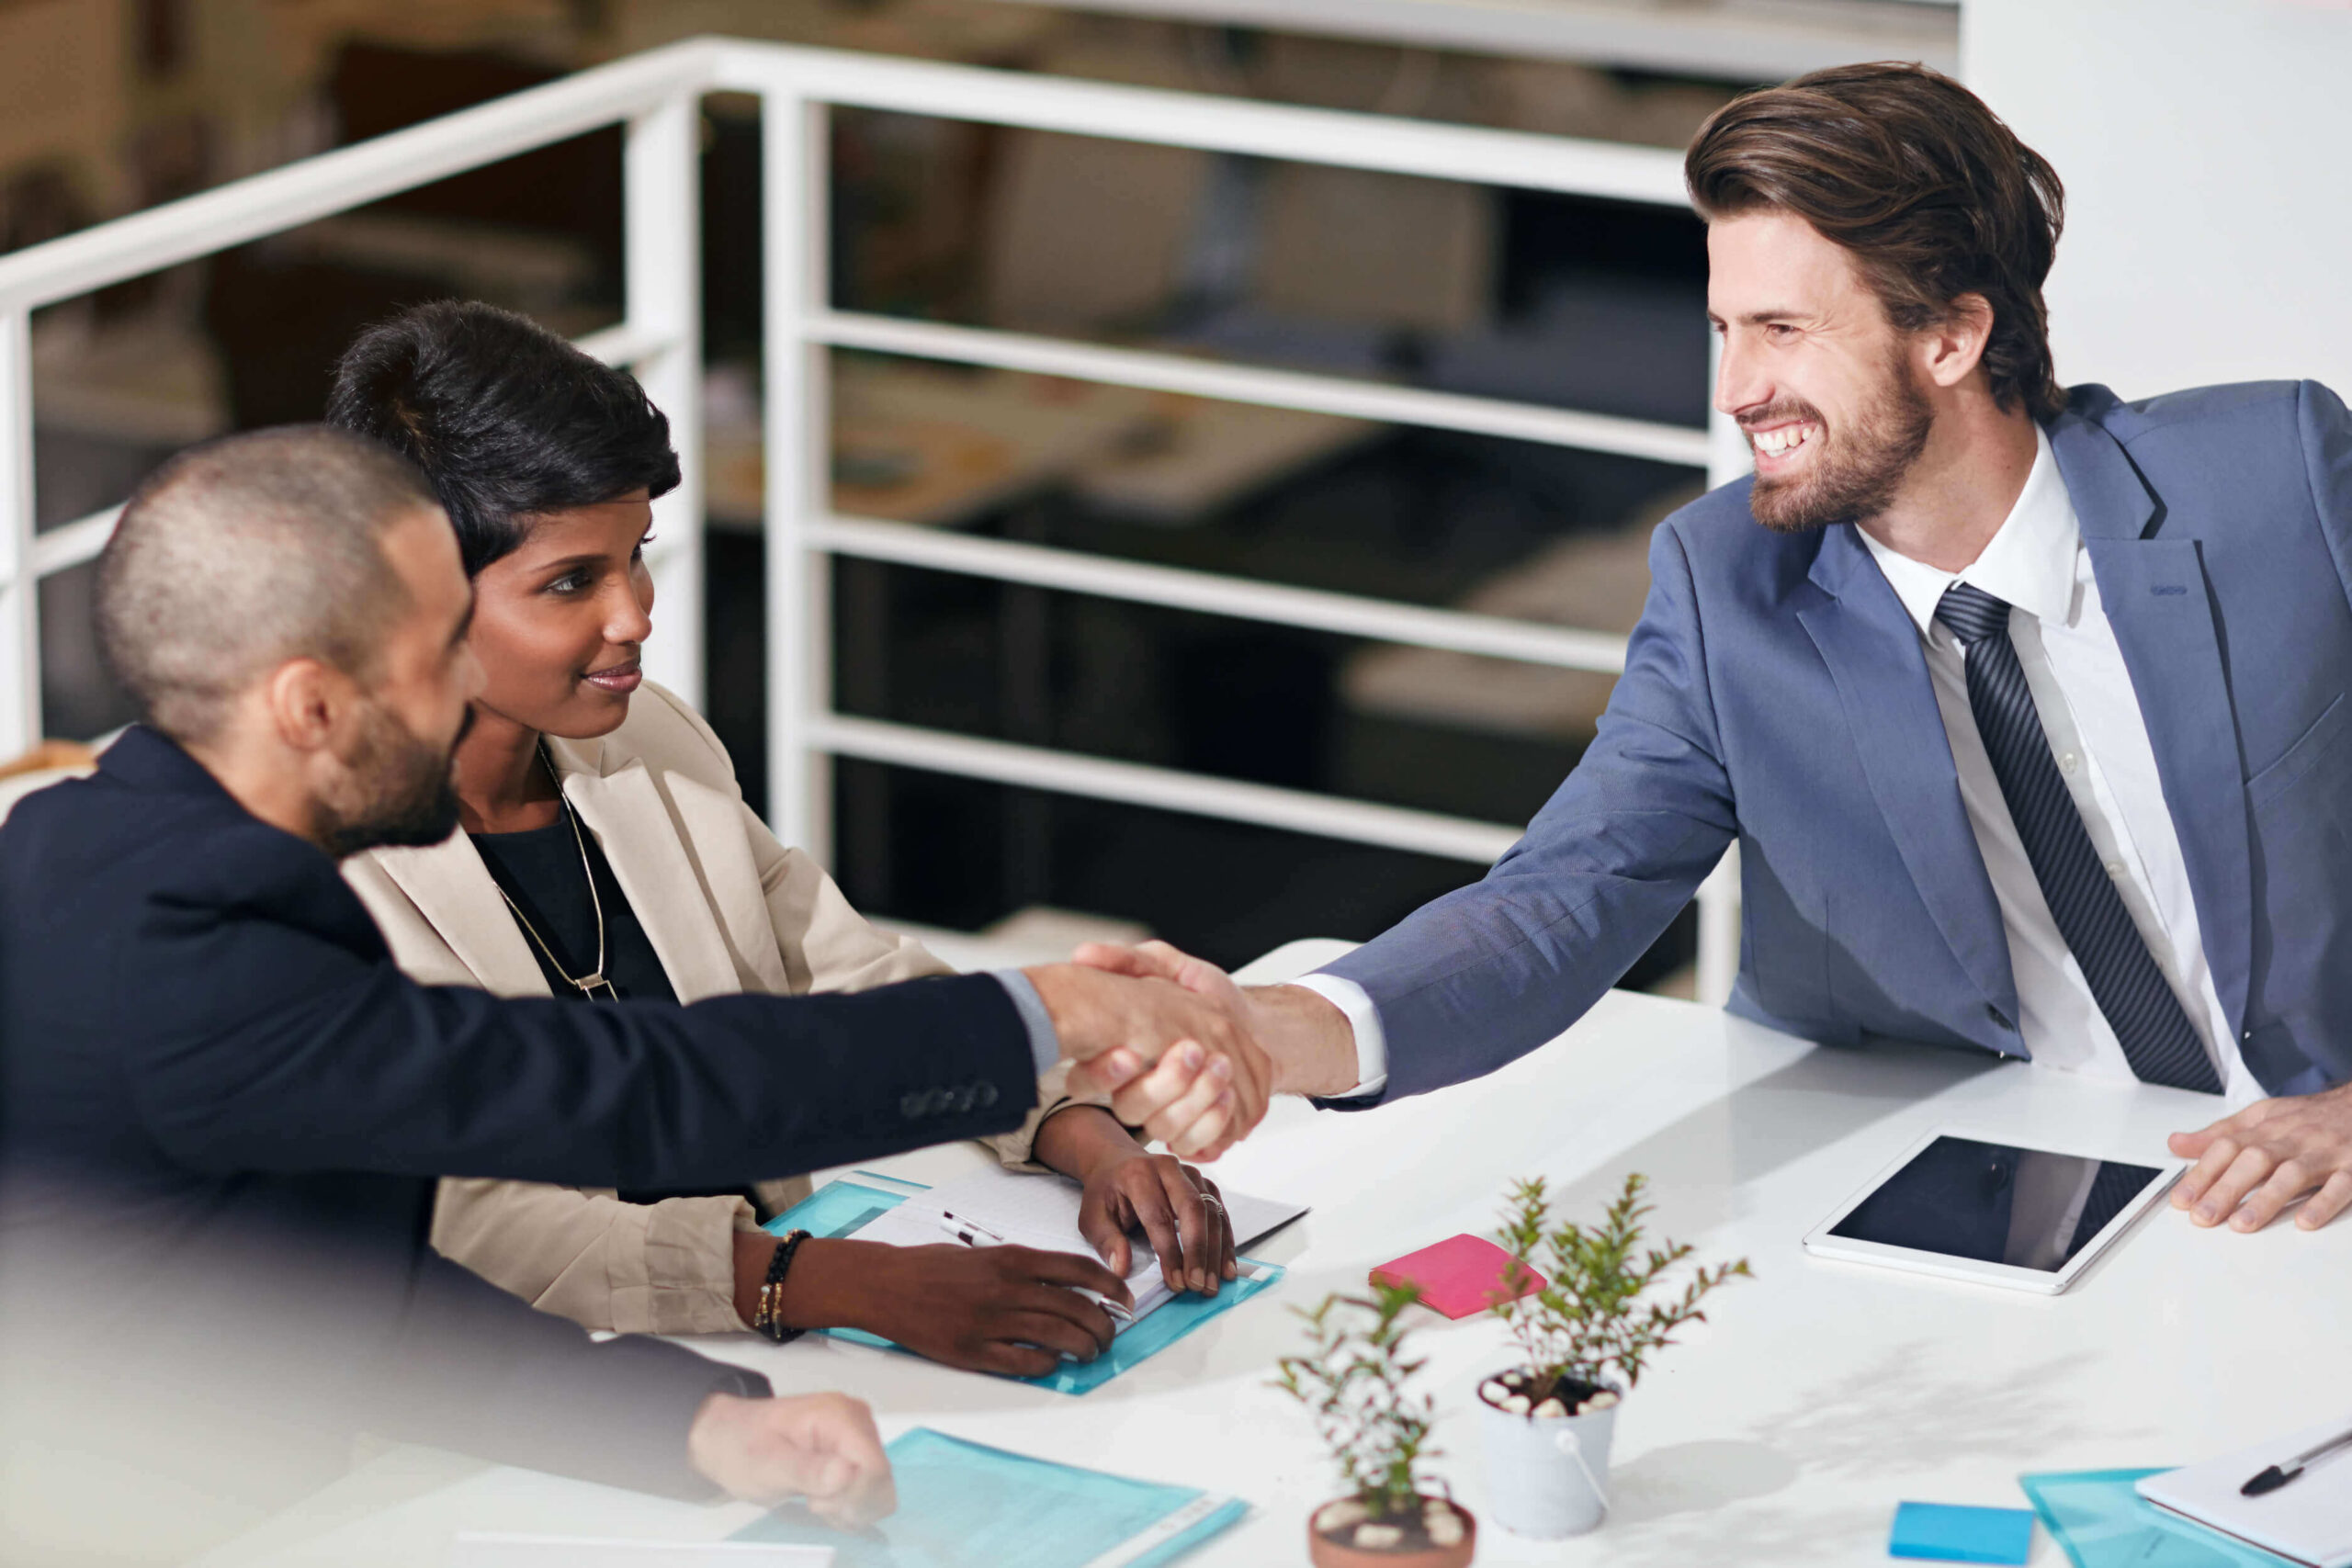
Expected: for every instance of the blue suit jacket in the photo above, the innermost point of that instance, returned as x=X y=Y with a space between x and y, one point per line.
x=1776 y=690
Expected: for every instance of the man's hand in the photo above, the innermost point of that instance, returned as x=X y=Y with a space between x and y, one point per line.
x=2254 y=1164
x=1215 y=1083
x=822 y=1447
x=1312 y=1047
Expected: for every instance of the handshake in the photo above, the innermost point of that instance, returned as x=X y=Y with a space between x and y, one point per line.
x=1183 y=1052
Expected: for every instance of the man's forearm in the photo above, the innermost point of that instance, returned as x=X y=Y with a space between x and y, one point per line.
x=1313 y=1047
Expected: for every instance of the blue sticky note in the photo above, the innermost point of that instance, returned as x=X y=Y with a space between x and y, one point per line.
x=1945 y=1532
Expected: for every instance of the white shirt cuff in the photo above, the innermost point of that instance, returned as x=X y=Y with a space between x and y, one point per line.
x=1371 y=1042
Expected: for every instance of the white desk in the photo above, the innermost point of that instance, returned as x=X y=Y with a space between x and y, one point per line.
x=1782 y=1432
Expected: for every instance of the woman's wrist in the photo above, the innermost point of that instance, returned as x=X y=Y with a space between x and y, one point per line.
x=814 y=1288
x=837 y=1284
x=753 y=1251
x=1077 y=1139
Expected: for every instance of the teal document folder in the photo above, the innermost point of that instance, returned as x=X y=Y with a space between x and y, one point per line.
x=964 y=1505
x=1949 y=1532
x=2101 y=1523
x=842 y=1207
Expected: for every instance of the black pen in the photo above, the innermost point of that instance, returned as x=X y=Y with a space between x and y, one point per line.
x=2277 y=1476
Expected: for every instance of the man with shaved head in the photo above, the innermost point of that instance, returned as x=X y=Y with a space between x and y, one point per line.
x=223 y=1106
x=223 y=573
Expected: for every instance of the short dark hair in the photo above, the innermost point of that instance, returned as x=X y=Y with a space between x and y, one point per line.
x=241 y=553
x=1932 y=192
x=507 y=419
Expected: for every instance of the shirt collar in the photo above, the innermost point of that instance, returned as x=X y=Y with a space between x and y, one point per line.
x=2029 y=562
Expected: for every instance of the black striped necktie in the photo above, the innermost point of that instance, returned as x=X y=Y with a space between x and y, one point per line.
x=2131 y=990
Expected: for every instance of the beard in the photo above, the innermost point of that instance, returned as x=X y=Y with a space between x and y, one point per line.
x=398 y=791
x=1855 y=474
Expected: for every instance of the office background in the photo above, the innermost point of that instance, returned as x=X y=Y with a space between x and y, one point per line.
x=2197 y=138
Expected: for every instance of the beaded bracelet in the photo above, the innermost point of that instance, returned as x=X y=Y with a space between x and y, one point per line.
x=767 y=1318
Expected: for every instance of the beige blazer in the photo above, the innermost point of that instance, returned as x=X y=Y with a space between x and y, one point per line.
x=727 y=909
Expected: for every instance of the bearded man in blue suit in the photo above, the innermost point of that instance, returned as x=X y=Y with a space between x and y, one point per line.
x=2025 y=705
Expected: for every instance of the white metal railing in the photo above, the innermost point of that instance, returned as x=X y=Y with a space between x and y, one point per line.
x=656 y=95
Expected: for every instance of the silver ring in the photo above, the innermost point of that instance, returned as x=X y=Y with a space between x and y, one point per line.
x=1214 y=1202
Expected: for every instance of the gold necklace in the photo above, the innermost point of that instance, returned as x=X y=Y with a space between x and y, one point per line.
x=585 y=984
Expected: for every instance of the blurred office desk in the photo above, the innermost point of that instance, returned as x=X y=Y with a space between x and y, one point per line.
x=1782 y=1432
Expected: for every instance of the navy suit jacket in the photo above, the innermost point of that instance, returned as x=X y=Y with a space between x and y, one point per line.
x=1775 y=692
x=222 y=1109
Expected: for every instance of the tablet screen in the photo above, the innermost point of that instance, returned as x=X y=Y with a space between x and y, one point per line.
x=1997 y=1203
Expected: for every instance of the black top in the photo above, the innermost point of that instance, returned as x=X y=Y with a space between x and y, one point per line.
x=205 y=1039
x=540 y=871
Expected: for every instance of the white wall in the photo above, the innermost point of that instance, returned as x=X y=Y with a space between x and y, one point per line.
x=2207 y=151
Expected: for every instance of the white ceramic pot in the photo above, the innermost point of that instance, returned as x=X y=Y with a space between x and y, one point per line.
x=1546 y=1475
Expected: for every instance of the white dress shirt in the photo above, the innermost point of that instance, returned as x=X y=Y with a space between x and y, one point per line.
x=2075 y=672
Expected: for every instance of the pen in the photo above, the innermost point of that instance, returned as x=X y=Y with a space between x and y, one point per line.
x=971 y=1232
x=2276 y=1476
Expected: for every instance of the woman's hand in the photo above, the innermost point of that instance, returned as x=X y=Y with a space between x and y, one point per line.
x=1178 y=1208
x=987 y=1309
x=1126 y=1186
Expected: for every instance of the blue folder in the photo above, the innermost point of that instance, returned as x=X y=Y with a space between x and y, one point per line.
x=843 y=1207
x=2101 y=1523
x=964 y=1505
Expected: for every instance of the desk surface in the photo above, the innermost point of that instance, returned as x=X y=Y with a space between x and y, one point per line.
x=1782 y=1432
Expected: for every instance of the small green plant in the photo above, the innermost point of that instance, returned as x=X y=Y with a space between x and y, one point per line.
x=1353 y=1382
x=1589 y=1320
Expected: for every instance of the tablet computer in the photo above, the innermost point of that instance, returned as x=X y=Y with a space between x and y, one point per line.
x=1969 y=1207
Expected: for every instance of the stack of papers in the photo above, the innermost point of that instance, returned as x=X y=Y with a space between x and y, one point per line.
x=1041 y=1211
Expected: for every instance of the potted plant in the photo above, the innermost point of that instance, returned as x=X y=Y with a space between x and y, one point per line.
x=1583 y=1337
x=1353 y=1382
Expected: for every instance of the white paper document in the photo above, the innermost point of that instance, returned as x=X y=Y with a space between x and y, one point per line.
x=2308 y=1520
x=1030 y=1210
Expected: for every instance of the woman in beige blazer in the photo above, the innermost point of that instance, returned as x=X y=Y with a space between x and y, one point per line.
x=607 y=851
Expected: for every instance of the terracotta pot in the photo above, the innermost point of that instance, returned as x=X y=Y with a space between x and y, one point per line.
x=1324 y=1552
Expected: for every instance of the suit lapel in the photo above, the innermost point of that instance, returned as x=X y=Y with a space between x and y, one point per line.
x=1872 y=651
x=2161 y=609
x=453 y=891
x=626 y=812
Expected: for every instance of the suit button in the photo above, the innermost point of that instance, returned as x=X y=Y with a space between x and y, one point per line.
x=984 y=1095
x=2000 y=1019
x=914 y=1105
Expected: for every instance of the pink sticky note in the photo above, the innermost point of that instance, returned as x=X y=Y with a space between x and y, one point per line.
x=1460 y=1275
